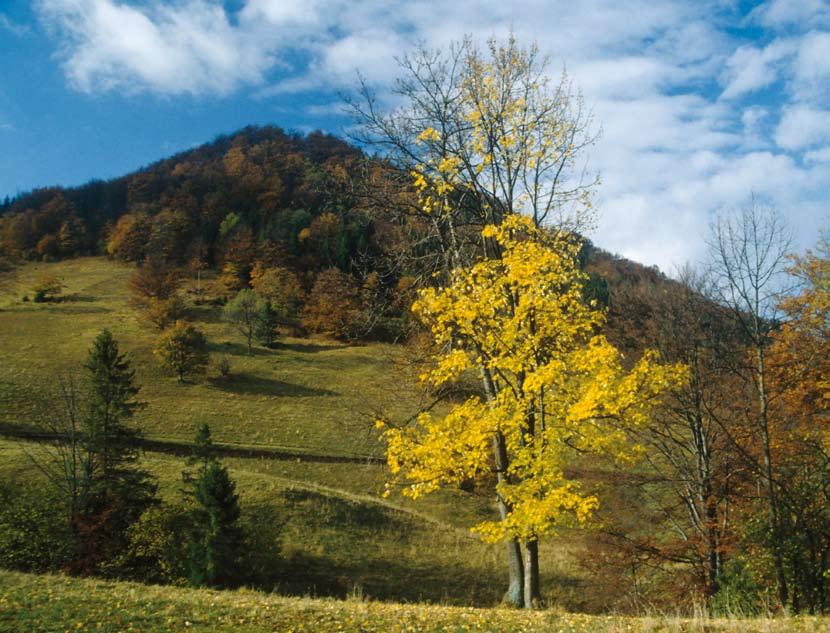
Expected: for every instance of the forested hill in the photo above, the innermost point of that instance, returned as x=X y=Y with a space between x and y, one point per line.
x=258 y=195
x=260 y=178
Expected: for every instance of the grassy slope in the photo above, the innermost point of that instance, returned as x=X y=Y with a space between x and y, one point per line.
x=316 y=395
x=337 y=534
x=329 y=541
x=52 y=603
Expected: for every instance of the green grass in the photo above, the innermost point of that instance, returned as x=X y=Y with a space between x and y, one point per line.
x=337 y=535
x=307 y=394
x=57 y=603
x=325 y=540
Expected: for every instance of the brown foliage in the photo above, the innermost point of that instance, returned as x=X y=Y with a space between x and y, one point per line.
x=333 y=307
x=154 y=279
x=128 y=239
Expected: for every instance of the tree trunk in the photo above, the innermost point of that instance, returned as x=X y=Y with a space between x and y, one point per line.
x=532 y=597
x=772 y=493
x=514 y=595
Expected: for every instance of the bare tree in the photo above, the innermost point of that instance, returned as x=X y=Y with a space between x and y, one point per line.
x=61 y=456
x=689 y=449
x=748 y=253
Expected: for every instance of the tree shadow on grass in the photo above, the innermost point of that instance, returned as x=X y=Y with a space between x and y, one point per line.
x=308 y=348
x=204 y=313
x=247 y=384
x=387 y=578
x=67 y=308
x=237 y=349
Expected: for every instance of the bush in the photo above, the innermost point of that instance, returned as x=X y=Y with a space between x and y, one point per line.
x=183 y=349
x=154 y=552
x=224 y=367
x=739 y=593
x=34 y=532
x=47 y=288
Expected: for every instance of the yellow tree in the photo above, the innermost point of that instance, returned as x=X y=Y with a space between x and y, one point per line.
x=553 y=384
x=485 y=135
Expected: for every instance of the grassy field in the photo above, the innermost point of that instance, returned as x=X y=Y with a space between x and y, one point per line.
x=310 y=395
x=337 y=535
x=56 y=603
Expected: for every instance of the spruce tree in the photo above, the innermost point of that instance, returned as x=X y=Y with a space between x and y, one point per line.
x=116 y=491
x=202 y=454
x=214 y=537
x=266 y=324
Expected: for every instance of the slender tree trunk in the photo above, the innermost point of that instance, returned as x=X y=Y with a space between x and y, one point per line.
x=515 y=594
x=532 y=597
x=772 y=495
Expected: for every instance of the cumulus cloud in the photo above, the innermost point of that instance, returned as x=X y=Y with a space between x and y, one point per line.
x=172 y=49
x=802 y=127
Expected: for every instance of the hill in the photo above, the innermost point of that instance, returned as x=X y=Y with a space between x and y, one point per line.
x=272 y=183
x=261 y=196
x=295 y=427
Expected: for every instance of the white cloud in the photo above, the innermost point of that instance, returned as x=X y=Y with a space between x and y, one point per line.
x=788 y=13
x=817 y=155
x=803 y=127
x=186 y=48
x=7 y=25
x=750 y=69
x=812 y=67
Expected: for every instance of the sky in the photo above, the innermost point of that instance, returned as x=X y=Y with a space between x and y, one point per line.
x=698 y=104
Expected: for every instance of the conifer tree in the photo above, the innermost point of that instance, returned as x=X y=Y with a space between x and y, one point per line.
x=202 y=453
x=116 y=491
x=266 y=324
x=214 y=537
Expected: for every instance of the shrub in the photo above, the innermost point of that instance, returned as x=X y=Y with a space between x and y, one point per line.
x=47 y=288
x=224 y=367
x=154 y=551
x=34 y=533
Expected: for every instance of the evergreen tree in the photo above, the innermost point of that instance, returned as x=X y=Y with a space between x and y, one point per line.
x=116 y=490
x=214 y=538
x=266 y=324
x=202 y=454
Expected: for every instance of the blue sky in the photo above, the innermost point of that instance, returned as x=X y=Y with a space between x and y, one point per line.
x=700 y=103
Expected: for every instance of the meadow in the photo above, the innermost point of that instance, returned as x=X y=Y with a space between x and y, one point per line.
x=306 y=409
x=50 y=602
